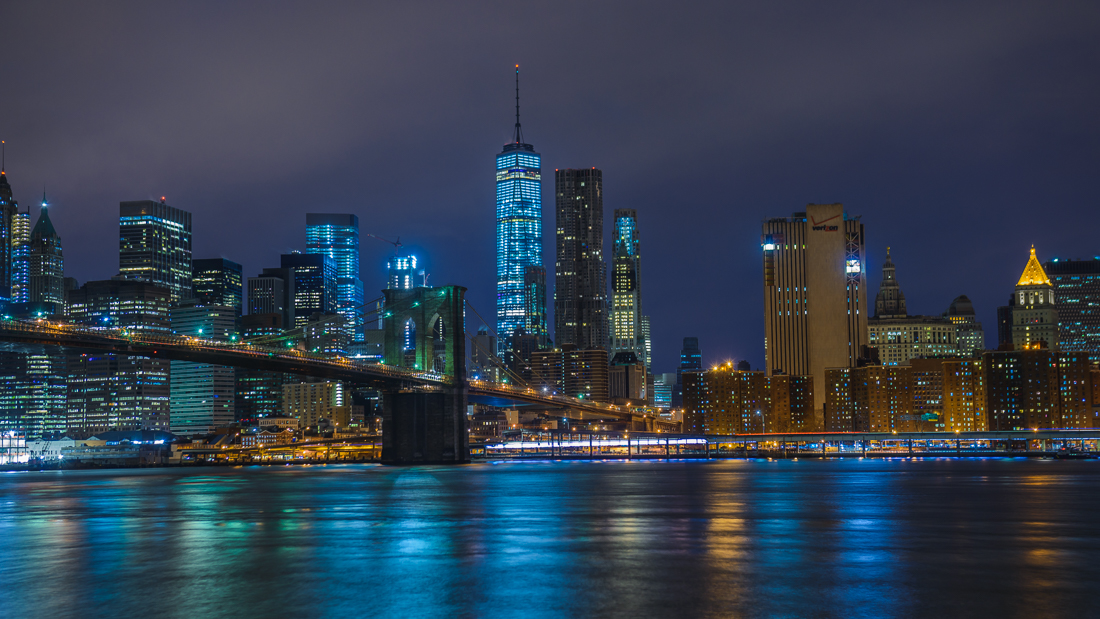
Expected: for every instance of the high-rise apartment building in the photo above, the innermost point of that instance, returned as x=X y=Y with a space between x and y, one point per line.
x=8 y=209
x=312 y=402
x=815 y=299
x=518 y=229
x=337 y=236
x=1077 y=297
x=202 y=394
x=217 y=281
x=726 y=401
x=968 y=331
x=46 y=263
x=900 y=337
x=314 y=285
x=20 y=257
x=627 y=328
x=580 y=283
x=1031 y=317
x=155 y=245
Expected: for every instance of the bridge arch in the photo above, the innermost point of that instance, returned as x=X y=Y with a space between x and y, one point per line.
x=438 y=340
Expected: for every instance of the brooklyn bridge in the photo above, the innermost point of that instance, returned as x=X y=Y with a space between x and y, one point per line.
x=424 y=395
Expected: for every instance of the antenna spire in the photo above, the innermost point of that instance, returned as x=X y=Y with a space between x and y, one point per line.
x=519 y=132
x=3 y=155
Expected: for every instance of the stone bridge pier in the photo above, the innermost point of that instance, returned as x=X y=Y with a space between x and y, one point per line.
x=424 y=329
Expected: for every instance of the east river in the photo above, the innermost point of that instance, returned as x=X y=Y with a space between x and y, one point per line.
x=807 y=538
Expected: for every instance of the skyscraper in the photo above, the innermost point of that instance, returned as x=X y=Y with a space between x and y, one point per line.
x=519 y=228
x=627 y=322
x=202 y=394
x=1031 y=310
x=815 y=300
x=534 y=312
x=900 y=337
x=1077 y=296
x=314 y=285
x=272 y=292
x=8 y=208
x=155 y=245
x=217 y=281
x=580 y=293
x=46 y=263
x=401 y=273
x=970 y=336
x=691 y=359
x=20 y=257
x=337 y=236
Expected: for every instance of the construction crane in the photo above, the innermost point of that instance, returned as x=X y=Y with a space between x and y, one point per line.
x=396 y=244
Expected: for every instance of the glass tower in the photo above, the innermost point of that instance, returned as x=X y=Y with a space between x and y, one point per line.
x=337 y=236
x=628 y=333
x=217 y=281
x=519 y=228
x=1077 y=295
x=155 y=245
x=46 y=263
x=314 y=285
x=20 y=256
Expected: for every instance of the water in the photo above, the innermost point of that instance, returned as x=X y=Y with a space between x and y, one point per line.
x=852 y=538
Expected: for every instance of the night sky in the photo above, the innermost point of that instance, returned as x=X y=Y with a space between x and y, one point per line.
x=961 y=133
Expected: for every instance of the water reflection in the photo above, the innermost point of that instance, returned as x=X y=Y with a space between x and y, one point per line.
x=720 y=538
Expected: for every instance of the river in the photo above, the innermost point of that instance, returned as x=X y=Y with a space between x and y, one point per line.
x=719 y=538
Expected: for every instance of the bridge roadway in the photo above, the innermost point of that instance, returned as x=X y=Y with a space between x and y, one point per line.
x=29 y=336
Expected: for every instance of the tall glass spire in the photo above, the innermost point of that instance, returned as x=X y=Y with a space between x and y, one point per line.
x=519 y=228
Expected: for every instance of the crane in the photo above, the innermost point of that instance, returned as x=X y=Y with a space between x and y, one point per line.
x=396 y=244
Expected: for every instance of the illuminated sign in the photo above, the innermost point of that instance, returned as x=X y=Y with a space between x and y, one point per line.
x=820 y=225
x=851 y=266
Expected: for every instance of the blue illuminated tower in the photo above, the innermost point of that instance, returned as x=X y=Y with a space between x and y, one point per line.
x=337 y=236
x=519 y=229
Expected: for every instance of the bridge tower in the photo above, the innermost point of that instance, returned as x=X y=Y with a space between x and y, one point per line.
x=424 y=329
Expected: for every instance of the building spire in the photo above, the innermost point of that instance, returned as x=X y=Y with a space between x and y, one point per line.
x=518 y=137
x=3 y=155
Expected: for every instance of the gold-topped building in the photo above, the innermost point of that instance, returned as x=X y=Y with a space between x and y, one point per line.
x=1031 y=317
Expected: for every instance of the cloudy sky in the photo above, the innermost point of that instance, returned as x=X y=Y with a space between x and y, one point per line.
x=961 y=133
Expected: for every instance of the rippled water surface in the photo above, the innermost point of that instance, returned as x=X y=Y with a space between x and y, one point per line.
x=1004 y=538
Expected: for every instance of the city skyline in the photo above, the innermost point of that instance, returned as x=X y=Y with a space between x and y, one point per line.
x=979 y=188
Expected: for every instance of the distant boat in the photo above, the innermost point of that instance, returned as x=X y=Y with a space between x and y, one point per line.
x=1073 y=454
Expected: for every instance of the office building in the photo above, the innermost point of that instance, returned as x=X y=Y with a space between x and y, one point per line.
x=272 y=292
x=202 y=394
x=401 y=273
x=8 y=210
x=109 y=391
x=217 y=281
x=314 y=285
x=312 y=402
x=691 y=358
x=534 y=299
x=20 y=256
x=1030 y=320
x=46 y=263
x=663 y=385
x=337 y=236
x=259 y=393
x=968 y=331
x=518 y=229
x=155 y=245
x=33 y=399
x=627 y=379
x=1077 y=297
x=570 y=371
x=815 y=300
x=580 y=284
x=627 y=328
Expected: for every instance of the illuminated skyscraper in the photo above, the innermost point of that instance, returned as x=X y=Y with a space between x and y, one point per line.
x=1077 y=295
x=580 y=283
x=627 y=323
x=314 y=285
x=202 y=394
x=155 y=245
x=8 y=209
x=519 y=227
x=337 y=236
x=815 y=299
x=401 y=273
x=46 y=264
x=1031 y=310
x=217 y=281
x=20 y=254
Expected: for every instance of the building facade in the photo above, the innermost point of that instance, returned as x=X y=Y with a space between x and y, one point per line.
x=202 y=394
x=314 y=285
x=691 y=358
x=628 y=334
x=337 y=236
x=573 y=372
x=312 y=402
x=272 y=292
x=8 y=209
x=968 y=331
x=725 y=401
x=46 y=263
x=1031 y=309
x=155 y=245
x=217 y=281
x=580 y=283
x=815 y=300
x=20 y=256
x=1077 y=297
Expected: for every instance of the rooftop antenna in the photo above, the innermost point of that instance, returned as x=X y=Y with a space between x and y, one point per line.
x=3 y=155
x=519 y=132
